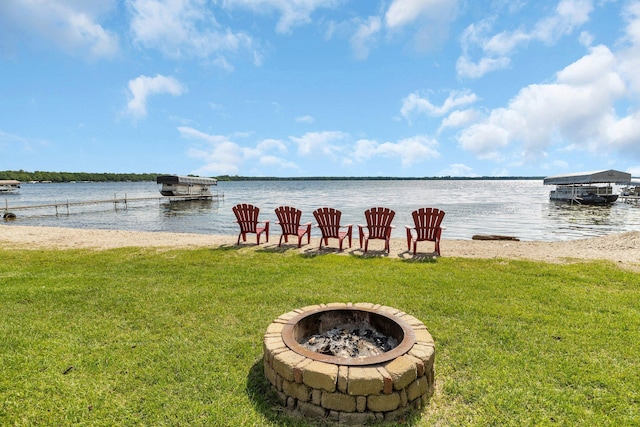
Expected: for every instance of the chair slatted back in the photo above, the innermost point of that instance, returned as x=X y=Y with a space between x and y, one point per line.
x=289 y=219
x=328 y=221
x=247 y=217
x=379 y=222
x=427 y=222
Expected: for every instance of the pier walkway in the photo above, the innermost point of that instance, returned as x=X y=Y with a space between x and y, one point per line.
x=118 y=203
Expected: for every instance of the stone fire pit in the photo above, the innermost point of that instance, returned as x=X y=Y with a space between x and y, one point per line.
x=350 y=388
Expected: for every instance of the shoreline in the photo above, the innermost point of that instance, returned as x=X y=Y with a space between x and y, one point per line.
x=622 y=248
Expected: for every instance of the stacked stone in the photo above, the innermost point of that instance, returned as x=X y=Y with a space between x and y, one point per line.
x=351 y=395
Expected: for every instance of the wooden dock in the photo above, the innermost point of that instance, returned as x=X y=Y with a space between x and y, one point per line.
x=118 y=202
x=629 y=199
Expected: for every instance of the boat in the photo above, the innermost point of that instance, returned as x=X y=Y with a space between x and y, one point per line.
x=631 y=193
x=175 y=185
x=587 y=188
x=9 y=186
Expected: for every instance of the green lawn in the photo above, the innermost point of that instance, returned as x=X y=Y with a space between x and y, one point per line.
x=147 y=337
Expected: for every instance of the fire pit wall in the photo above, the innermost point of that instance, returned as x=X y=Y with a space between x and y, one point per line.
x=351 y=394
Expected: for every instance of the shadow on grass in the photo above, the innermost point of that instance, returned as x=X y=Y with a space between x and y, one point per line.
x=265 y=401
x=309 y=251
x=430 y=258
x=227 y=248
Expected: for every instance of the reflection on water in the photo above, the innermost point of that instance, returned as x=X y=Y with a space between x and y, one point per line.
x=570 y=220
x=189 y=207
x=515 y=208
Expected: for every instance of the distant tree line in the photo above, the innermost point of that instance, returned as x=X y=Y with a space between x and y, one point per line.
x=25 y=176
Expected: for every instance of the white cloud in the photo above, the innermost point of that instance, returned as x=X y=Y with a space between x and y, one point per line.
x=569 y=15
x=327 y=142
x=430 y=18
x=220 y=155
x=364 y=38
x=292 y=12
x=630 y=54
x=142 y=87
x=576 y=111
x=409 y=150
x=223 y=156
x=457 y=169
x=495 y=51
x=403 y=12
x=305 y=119
x=415 y=104
x=467 y=68
x=183 y=28
x=267 y=145
x=71 y=25
x=279 y=162
x=459 y=118
x=365 y=149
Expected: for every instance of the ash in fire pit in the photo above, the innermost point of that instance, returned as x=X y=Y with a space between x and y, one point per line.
x=350 y=341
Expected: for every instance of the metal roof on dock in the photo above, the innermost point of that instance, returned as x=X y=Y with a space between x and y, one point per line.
x=177 y=179
x=605 y=176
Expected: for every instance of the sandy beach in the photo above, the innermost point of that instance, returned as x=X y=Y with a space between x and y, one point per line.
x=623 y=248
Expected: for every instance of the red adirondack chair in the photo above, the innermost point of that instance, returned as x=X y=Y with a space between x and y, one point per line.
x=329 y=225
x=247 y=219
x=378 y=227
x=427 y=228
x=289 y=220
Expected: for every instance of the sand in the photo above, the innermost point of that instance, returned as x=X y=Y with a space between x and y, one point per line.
x=623 y=248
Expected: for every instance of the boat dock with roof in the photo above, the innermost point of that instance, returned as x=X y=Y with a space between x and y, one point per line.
x=587 y=188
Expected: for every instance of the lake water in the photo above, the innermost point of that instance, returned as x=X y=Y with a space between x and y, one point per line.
x=516 y=208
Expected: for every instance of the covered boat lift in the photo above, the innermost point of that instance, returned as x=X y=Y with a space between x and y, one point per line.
x=596 y=177
x=580 y=187
x=176 y=185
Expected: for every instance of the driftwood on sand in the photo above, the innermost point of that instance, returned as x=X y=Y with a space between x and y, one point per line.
x=494 y=237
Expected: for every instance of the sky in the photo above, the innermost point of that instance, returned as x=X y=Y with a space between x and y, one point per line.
x=302 y=88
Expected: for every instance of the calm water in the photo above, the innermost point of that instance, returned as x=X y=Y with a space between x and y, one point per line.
x=516 y=208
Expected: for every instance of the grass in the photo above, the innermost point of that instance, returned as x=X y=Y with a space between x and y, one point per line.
x=146 y=337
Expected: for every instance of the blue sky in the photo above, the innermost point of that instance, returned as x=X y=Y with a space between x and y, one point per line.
x=406 y=88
